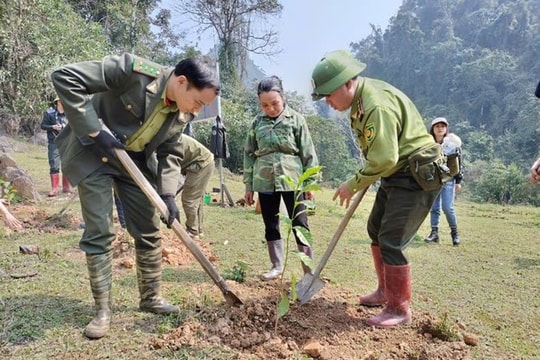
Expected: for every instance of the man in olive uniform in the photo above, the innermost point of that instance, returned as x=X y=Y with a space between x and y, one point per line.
x=389 y=128
x=197 y=168
x=146 y=106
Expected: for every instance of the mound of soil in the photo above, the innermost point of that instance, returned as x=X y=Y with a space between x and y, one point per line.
x=174 y=251
x=34 y=218
x=329 y=326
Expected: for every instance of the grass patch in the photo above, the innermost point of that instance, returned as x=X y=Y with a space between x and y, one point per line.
x=490 y=282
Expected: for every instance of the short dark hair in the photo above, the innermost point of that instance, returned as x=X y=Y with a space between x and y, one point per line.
x=200 y=73
x=270 y=83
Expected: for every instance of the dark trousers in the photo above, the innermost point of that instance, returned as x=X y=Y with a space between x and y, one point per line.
x=270 y=210
x=96 y=196
x=400 y=207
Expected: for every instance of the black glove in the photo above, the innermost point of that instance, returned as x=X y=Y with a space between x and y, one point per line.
x=174 y=213
x=105 y=143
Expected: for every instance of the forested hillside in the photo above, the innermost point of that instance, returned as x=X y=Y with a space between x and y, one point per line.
x=474 y=62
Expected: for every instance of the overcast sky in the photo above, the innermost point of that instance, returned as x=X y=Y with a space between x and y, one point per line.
x=309 y=28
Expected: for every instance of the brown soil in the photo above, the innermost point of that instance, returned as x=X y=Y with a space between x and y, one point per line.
x=330 y=326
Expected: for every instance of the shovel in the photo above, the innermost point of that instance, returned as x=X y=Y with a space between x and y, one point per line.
x=310 y=284
x=156 y=200
x=63 y=210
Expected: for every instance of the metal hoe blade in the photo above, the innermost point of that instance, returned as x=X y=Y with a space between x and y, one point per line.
x=310 y=284
x=156 y=200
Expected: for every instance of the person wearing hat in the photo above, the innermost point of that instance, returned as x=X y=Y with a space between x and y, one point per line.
x=389 y=128
x=451 y=145
x=145 y=107
x=53 y=121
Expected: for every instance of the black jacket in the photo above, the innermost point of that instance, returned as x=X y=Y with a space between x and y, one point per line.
x=52 y=117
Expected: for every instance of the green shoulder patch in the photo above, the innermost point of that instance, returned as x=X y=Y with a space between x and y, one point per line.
x=145 y=67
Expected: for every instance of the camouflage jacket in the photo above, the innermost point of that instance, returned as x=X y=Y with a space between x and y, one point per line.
x=275 y=147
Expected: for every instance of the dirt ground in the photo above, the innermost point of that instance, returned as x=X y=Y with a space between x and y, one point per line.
x=330 y=326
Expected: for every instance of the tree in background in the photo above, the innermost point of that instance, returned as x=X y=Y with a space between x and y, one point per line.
x=475 y=62
x=127 y=24
x=241 y=27
x=36 y=36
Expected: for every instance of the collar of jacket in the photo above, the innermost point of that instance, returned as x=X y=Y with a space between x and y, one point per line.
x=357 y=109
x=285 y=113
x=154 y=90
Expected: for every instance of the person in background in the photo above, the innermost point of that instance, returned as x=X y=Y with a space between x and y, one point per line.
x=11 y=221
x=197 y=168
x=534 y=171
x=146 y=107
x=389 y=130
x=451 y=145
x=278 y=143
x=54 y=120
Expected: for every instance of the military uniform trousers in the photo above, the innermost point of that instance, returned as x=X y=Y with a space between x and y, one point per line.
x=400 y=207
x=96 y=195
x=197 y=176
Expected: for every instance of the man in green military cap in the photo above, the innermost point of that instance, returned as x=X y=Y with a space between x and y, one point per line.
x=389 y=129
x=145 y=106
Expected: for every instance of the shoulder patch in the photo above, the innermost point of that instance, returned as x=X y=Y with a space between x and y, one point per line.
x=369 y=132
x=145 y=67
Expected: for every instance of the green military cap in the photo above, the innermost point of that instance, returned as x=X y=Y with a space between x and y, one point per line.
x=334 y=70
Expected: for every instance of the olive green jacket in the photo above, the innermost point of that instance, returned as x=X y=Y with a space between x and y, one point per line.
x=388 y=128
x=122 y=91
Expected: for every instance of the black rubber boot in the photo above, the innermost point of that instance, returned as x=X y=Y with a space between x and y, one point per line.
x=455 y=237
x=433 y=236
x=100 y=273
x=149 y=279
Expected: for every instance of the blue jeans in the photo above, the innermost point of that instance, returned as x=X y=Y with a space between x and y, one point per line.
x=54 y=158
x=445 y=199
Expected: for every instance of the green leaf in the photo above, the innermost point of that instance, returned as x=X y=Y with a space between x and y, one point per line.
x=288 y=180
x=304 y=258
x=311 y=187
x=304 y=235
x=309 y=173
x=283 y=305
x=286 y=220
x=307 y=203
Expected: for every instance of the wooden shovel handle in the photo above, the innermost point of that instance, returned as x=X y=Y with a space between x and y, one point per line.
x=156 y=200
x=339 y=232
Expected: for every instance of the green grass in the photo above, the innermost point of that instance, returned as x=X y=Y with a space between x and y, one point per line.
x=490 y=283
